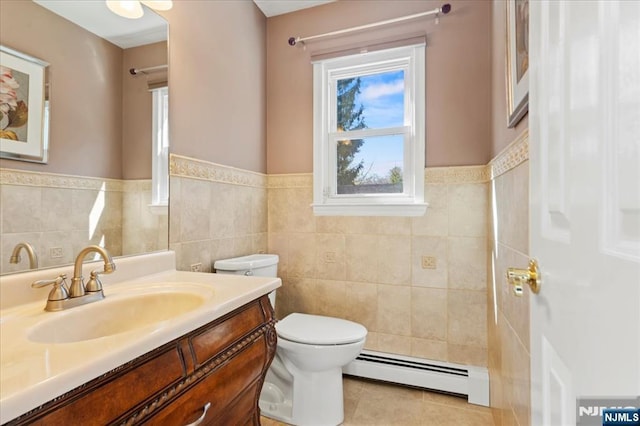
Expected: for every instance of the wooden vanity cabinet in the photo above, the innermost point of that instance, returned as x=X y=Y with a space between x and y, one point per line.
x=210 y=376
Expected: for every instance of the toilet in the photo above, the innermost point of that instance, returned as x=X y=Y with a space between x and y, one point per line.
x=304 y=383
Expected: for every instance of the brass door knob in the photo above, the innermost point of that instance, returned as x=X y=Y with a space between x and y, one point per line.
x=518 y=277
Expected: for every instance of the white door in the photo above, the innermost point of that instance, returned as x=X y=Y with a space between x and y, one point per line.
x=584 y=118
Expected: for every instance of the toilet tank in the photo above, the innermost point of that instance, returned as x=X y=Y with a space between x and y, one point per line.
x=259 y=265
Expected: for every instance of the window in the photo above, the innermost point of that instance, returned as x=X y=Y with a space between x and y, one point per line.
x=369 y=134
x=160 y=163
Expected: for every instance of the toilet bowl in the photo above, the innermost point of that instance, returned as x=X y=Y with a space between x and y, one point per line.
x=304 y=383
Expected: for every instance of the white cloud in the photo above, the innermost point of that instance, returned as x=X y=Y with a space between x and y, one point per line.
x=376 y=91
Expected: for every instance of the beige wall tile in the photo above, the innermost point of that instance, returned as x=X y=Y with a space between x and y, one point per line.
x=362 y=302
x=21 y=208
x=394 y=310
x=429 y=313
x=259 y=243
x=241 y=210
x=435 y=223
x=221 y=213
x=223 y=248
x=429 y=349
x=394 y=344
x=330 y=298
x=175 y=201
x=434 y=247
x=259 y=219
x=57 y=210
x=296 y=295
x=279 y=244
x=361 y=256
x=467 y=324
x=361 y=224
x=467 y=263
x=394 y=260
x=468 y=210
x=194 y=252
x=391 y=225
x=194 y=210
x=330 y=256
x=302 y=256
x=514 y=308
x=331 y=225
x=468 y=355
x=372 y=341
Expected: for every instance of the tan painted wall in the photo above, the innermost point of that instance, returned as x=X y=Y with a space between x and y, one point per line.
x=217 y=84
x=137 y=108
x=85 y=110
x=458 y=77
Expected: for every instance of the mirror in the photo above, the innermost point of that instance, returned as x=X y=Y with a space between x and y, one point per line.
x=97 y=183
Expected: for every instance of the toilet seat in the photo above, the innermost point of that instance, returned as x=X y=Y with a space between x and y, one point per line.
x=319 y=330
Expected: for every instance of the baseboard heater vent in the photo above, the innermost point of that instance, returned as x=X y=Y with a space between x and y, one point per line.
x=434 y=375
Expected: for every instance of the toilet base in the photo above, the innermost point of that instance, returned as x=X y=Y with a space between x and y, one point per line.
x=318 y=398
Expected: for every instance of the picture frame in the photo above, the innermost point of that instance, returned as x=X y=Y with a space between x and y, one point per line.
x=517 y=50
x=23 y=118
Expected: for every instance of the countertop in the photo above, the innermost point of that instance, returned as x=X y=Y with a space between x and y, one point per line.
x=34 y=373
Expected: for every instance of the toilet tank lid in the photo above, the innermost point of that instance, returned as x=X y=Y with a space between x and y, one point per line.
x=319 y=330
x=246 y=262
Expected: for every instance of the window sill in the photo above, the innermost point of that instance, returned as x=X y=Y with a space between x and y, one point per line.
x=158 y=209
x=400 y=209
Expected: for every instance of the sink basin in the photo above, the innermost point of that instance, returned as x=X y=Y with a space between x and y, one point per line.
x=114 y=315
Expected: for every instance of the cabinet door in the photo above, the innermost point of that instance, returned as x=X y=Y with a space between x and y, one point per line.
x=229 y=390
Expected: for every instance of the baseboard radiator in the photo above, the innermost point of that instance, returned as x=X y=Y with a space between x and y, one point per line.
x=423 y=373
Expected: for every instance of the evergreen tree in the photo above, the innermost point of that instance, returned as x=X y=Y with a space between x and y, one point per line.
x=395 y=175
x=350 y=117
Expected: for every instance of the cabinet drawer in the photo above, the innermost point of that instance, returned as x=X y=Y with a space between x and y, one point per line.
x=233 y=384
x=215 y=339
x=105 y=399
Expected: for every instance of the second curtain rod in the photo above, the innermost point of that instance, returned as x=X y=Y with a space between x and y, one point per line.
x=446 y=8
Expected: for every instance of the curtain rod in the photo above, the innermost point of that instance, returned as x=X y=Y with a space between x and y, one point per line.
x=136 y=71
x=446 y=8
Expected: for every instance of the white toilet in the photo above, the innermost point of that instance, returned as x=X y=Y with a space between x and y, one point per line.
x=304 y=383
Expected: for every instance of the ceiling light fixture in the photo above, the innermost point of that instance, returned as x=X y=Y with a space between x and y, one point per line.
x=132 y=9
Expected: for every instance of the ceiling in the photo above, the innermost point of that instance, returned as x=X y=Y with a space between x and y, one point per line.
x=94 y=16
x=278 y=7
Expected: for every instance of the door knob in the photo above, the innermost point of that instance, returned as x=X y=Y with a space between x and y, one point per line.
x=519 y=277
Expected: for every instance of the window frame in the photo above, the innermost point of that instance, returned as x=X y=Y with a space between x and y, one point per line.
x=326 y=73
x=160 y=153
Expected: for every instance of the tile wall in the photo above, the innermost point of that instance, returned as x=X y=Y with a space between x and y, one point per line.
x=71 y=212
x=508 y=316
x=217 y=212
x=370 y=269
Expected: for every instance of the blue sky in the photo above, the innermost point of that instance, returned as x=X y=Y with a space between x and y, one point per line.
x=382 y=96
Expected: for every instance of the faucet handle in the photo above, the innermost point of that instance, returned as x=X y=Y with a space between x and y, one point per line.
x=94 y=285
x=59 y=291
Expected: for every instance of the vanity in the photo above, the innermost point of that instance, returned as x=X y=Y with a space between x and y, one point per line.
x=164 y=347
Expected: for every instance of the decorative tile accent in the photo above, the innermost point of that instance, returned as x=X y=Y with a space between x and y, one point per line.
x=294 y=180
x=514 y=154
x=204 y=170
x=445 y=175
x=457 y=174
x=52 y=180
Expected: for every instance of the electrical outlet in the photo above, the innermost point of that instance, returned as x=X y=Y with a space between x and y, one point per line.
x=329 y=257
x=196 y=267
x=428 y=262
x=55 y=252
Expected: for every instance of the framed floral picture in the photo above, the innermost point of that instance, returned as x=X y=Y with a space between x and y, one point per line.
x=23 y=125
x=517 y=60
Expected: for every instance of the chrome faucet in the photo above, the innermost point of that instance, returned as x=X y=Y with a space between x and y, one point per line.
x=33 y=258
x=78 y=294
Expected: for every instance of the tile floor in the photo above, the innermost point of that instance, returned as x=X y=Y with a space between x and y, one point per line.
x=368 y=403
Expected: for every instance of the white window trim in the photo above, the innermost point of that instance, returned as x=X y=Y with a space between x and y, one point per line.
x=325 y=200
x=160 y=157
